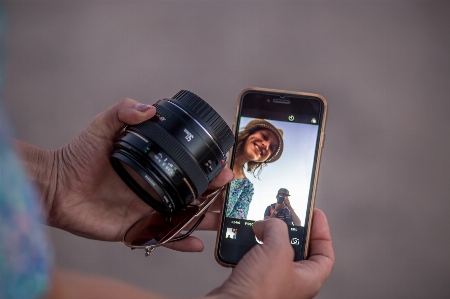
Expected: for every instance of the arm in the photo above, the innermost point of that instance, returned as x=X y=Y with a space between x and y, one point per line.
x=295 y=218
x=278 y=208
x=71 y=285
x=39 y=165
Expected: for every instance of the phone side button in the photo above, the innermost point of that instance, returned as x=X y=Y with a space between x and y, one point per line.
x=322 y=140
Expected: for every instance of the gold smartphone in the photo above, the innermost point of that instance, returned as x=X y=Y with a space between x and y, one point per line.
x=279 y=138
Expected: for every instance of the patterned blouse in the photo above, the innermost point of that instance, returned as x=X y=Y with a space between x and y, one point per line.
x=239 y=198
x=25 y=255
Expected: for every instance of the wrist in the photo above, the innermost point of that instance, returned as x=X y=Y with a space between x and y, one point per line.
x=228 y=290
x=40 y=165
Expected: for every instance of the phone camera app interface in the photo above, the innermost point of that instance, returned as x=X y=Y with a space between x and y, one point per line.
x=273 y=167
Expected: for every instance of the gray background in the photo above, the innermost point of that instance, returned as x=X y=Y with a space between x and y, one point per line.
x=384 y=68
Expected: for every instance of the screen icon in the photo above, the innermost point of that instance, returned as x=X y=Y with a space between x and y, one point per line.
x=231 y=233
x=295 y=241
x=291 y=118
x=257 y=240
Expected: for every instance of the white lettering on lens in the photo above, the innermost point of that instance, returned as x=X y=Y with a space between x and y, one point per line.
x=161 y=118
x=152 y=182
x=189 y=135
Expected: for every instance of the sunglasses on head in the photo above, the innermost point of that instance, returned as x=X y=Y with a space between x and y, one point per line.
x=156 y=229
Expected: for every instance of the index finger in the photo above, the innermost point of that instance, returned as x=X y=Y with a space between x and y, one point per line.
x=225 y=176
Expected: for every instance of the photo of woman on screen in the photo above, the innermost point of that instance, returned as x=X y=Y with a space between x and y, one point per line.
x=259 y=143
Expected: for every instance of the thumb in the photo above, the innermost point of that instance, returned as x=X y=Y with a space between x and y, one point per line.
x=275 y=236
x=109 y=123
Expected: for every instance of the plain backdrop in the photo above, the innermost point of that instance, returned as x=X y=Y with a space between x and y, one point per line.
x=383 y=66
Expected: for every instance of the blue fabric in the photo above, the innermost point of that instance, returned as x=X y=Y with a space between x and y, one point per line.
x=239 y=198
x=25 y=258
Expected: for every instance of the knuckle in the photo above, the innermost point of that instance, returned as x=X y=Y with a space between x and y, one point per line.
x=126 y=102
x=278 y=223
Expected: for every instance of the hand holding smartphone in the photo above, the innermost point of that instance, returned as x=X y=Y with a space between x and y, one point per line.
x=279 y=136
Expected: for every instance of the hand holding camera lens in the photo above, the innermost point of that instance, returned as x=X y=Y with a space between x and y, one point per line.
x=170 y=159
x=87 y=185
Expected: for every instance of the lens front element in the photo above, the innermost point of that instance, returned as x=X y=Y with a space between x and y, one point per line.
x=142 y=182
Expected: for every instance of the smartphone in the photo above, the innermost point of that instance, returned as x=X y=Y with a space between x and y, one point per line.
x=279 y=138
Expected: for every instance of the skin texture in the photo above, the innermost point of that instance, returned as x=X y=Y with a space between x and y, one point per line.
x=268 y=270
x=258 y=148
x=260 y=145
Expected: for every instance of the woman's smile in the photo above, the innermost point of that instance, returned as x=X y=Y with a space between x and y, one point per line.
x=258 y=150
x=260 y=145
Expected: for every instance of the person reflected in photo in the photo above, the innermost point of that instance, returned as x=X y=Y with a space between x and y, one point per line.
x=282 y=209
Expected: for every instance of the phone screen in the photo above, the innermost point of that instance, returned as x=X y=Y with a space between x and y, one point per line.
x=274 y=161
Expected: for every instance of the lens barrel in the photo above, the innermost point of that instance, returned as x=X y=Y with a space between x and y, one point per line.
x=171 y=158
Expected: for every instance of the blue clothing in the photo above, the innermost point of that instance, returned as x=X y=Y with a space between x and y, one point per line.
x=25 y=258
x=239 y=198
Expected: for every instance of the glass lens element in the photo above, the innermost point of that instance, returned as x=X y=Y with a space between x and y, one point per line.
x=141 y=181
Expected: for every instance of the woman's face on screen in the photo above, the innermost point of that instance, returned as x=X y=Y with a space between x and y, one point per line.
x=260 y=145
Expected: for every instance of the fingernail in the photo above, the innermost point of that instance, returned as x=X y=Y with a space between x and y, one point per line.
x=143 y=107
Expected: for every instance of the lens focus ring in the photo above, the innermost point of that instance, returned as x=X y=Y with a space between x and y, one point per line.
x=170 y=145
x=210 y=118
x=207 y=138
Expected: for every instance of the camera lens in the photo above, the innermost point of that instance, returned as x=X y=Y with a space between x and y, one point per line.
x=280 y=199
x=171 y=158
